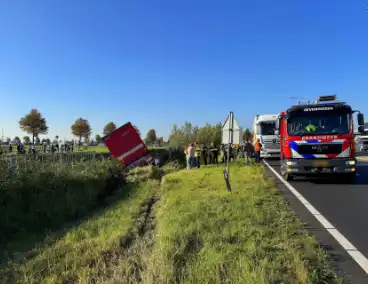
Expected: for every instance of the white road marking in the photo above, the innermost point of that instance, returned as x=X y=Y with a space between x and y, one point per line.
x=340 y=238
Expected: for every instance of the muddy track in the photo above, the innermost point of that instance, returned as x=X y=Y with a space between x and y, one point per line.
x=127 y=263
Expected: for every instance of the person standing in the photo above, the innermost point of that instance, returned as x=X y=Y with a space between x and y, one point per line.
x=204 y=151
x=212 y=159
x=186 y=152
x=192 y=155
x=190 y=152
x=198 y=155
x=223 y=149
x=215 y=154
x=248 y=150
x=257 y=150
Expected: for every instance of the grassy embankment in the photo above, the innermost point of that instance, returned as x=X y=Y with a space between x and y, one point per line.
x=197 y=232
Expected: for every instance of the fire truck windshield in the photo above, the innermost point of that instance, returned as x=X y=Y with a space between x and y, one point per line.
x=318 y=123
x=266 y=128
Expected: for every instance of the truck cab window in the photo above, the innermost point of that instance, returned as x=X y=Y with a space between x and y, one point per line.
x=323 y=123
x=266 y=128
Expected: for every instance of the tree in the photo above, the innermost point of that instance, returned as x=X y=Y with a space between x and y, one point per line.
x=33 y=123
x=98 y=138
x=16 y=139
x=151 y=136
x=160 y=141
x=26 y=139
x=37 y=141
x=81 y=128
x=188 y=133
x=57 y=138
x=109 y=128
x=247 y=135
x=8 y=140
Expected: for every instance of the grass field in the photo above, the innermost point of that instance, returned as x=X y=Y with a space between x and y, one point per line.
x=189 y=229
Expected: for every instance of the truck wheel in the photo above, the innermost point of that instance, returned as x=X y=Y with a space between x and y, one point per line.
x=350 y=178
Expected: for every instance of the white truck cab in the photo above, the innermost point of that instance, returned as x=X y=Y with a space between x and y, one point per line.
x=264 y=130
x=363 y=141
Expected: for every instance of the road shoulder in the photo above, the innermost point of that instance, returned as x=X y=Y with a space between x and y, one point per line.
x=341 y=262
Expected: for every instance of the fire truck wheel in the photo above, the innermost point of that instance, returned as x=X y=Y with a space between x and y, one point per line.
x=350 y=178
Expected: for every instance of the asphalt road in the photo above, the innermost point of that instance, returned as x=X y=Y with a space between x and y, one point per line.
x=343 y=205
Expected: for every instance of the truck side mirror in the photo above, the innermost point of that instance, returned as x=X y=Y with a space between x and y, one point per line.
x=360 y=117
x=277 y=132
x=361 y=130
x=277 y=124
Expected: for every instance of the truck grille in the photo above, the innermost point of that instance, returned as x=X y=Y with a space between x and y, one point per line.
x=320 y=149
x=272 y=146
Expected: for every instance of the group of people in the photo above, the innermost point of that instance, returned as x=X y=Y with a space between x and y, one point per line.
x=20 y=148
x=44 y=148
x=55 y=147
x=252 y=150
x=209 y=155
x=195 y=153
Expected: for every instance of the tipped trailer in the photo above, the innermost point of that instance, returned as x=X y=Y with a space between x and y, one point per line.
x=126 y=145
x=318 y=138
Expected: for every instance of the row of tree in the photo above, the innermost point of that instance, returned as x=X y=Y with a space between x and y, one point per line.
x=189 y=133
x=35 y=124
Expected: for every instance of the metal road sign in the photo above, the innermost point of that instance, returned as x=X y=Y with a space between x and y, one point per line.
x=231 y=132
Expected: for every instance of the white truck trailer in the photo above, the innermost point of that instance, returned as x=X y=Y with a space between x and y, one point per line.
x=264 y=130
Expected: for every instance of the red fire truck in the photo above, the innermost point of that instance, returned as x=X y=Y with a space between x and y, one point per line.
x=318 y=138
x=126 y=145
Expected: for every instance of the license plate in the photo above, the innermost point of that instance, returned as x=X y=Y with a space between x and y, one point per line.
x=321 y=164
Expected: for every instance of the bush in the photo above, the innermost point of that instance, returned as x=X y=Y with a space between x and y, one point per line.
x=177 y=154
x=44 y=197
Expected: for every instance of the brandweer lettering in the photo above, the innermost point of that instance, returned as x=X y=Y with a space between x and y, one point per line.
x=324 y=137
x=318 y=108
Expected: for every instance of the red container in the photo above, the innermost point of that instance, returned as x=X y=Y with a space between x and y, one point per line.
x=125 y=144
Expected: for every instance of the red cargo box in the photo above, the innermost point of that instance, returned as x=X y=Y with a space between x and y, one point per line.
x=125 y=144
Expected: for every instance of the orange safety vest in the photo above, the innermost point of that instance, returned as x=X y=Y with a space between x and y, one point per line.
x=257 y=147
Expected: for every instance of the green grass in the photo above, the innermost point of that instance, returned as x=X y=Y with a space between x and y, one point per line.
x=197 y=232
x=80 y=255
x=207 y=235
x=43 y=197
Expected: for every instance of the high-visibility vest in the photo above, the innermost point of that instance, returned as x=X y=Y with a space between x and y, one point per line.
x=257 y=146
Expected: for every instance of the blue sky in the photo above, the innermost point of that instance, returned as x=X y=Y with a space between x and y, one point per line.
x=156 y=63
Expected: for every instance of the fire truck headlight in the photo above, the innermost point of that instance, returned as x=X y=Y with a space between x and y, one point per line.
x=351 y=162
x=290 y=163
